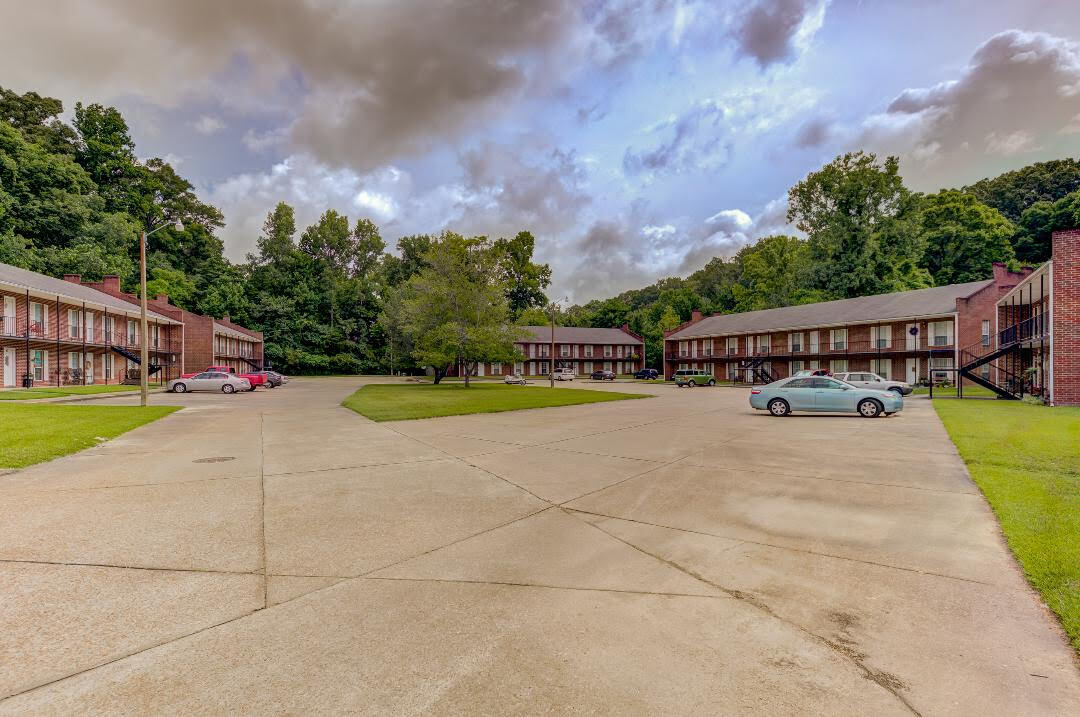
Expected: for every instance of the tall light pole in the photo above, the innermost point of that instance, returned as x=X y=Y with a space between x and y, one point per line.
x=551 y=374
x=144 y=344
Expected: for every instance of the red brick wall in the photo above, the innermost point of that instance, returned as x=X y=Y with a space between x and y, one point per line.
x=1066 y=287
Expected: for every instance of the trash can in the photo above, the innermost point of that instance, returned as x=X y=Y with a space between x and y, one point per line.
x=27 y=381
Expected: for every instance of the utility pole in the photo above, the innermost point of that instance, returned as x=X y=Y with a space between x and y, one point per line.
x=551 y=363
x=144 y=351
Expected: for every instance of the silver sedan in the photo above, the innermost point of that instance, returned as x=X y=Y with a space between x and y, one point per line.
x=210 y=381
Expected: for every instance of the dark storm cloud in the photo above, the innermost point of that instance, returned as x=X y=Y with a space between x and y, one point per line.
x=766 y=31
x=1017 y=101
x=376 y=79
x=813 y=133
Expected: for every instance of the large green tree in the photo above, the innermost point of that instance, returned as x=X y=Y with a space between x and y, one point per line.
x=1034 y=240
x=455 y=310
x=963 y=237
x=861 y=222
x=525 y=280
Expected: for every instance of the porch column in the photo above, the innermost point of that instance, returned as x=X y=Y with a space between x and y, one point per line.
x=57 y=340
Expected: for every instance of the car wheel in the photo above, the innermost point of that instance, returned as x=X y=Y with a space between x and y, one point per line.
x=691 y=384
x=869 y=408
x=227 y=388
x=712 y=381
x=897 y=390
x=179 y=388
x=271 y=385
x=779 y=407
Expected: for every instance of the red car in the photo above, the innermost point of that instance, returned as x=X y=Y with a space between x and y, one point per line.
x=255 y=379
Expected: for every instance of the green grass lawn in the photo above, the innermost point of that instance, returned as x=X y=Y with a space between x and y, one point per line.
x=1024 y=458
x=950 y=392
x=25 y=394
x=41 y=432
x=393 y=402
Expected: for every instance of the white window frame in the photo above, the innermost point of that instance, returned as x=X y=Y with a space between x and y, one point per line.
x=74 y=324
x=814 y=344
x=43 y=367
x=607 y=365
x=588 y=367
x=838 y=336
x=875 y=367
x=764 y=343
x=985 y=334
x=132 y=332
x=791 y=345
x=946 y=327
x=519 y=367
x=607 y=353
x=35 y=306
x=794 y=367
x=733 y=346
x=838 y=365
x=564 y=350
x=881 y=336
x=496 y=368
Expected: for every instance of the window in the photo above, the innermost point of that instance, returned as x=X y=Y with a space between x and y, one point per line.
x=838 y=339
x=588 y=350
x=543 y=368
x=618 y=352
x=799 y=383
x=986 y=333
x=838 y=365
x=795 y=342
x=684 y=366
x=984 y=371
x=607 y=353
x=519 y=367
x=73 y=324
x=813 y=342
x=575 y=350
x=108 y=357
x=707 y=347
x=823 y=382
x=38 y=319
x=733 y=345
x=132 y=336
x=882 y=367
x=607 y=365
x=764 y=345
x=796 y=366
x=814 y=365
x=588 y=367
x=532 y=350
x=683 y=350
x=155 y=335
x=939 y=366
x=941 y=333
x=39 y=364
x=564 y=350
x=496 y=367
x=881 y=336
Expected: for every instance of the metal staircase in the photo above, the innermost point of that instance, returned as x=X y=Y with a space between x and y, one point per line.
x=134 y=358
x=253 y=363
x=756 y=368
x=1005 y=377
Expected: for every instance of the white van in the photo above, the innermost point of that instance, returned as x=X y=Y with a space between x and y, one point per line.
x=564 y=374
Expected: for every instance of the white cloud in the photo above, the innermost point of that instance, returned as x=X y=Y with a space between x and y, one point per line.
x=1010 y=144
x=731 y=219
x=208 y=124
x=383 y=206
x=658 y=232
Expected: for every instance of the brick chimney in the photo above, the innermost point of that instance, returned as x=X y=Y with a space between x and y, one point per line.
x=110 y=284
x=73 y=278
x=226 y=318
x=162 y=298
x=695 y=316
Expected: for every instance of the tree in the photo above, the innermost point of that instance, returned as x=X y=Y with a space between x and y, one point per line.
x=413 y=249
x=525 y=280
x=1034 y=241
x=536 y=316
x=860 y=220
x=774 y=272
x=455 y=310
x=963 y=237
x=1013 y=192
x=107 y=152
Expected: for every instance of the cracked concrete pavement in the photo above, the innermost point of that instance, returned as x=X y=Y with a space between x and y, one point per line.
x=274 y=553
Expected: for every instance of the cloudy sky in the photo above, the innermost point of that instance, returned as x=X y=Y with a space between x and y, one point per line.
x=634 y=138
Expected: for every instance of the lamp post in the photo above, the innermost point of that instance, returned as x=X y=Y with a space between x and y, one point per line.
x=551 y=374
x=144 y=349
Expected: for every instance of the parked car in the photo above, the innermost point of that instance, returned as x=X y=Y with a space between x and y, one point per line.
x=603 y=376
x=515 y=378
x=564 y=374
x=210 y=381
x=254 y=379
x=693 y=377
x=647 y=374
x=863 y=379
x=812 y=372
x=823 y=393
x=272 y=378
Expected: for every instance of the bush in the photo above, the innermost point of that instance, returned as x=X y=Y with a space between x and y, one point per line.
x=345 y=363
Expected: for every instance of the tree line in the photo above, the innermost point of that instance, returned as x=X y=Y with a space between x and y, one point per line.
x=330 y=298
x=865 y=233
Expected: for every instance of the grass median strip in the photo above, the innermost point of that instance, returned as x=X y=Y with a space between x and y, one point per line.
x=41 y=432
x=26 y=394
x=381 y=402
x=1024 y=458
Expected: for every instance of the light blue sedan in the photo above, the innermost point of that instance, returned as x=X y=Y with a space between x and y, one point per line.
x=821 y=393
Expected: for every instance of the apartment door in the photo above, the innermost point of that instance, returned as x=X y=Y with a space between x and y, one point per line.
x=911 y=336
x=911 y=372
x=9 y=368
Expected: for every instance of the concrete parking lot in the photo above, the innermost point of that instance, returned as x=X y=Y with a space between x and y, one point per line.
x=274 y=553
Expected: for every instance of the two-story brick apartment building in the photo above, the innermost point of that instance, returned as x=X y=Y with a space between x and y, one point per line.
x=904 y=335
x=582 y=349
x=56 y=332
x=1035 y=348
x=206 y=341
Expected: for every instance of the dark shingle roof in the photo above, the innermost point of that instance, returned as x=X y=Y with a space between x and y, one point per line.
x=69 y=292
x=581 y=335
x=937 y=301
